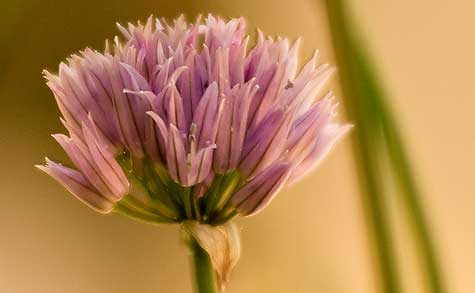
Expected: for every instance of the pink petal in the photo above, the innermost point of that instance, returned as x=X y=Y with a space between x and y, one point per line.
x=259 y=191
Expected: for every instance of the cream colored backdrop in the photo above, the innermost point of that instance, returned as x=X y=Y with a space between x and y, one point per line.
x=313 y=237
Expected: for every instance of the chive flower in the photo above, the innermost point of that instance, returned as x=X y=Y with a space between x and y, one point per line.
x=190 y=122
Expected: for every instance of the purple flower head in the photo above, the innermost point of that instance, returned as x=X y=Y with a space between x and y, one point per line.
x=189 y=121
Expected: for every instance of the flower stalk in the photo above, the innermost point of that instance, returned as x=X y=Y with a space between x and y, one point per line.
x=204 y=277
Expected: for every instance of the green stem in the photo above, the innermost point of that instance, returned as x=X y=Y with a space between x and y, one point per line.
x=411 y=197
x=362 y=111
x=204 y=277
x=188 y=203
x=137 y=204
x=376 y=130
x=139 y=215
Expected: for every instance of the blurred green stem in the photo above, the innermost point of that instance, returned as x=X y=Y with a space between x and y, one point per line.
x=362 y=112
x=203 y=272
x=411 y=197
x=375 y=130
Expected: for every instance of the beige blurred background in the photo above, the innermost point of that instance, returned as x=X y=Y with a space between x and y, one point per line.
x=313 y=236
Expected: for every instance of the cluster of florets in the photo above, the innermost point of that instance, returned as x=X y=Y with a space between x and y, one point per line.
x=183 y=121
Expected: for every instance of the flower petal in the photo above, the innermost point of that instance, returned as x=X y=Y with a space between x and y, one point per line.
x=259 y=191
x=77 y=184
x=329 y=135
x=176 y=156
